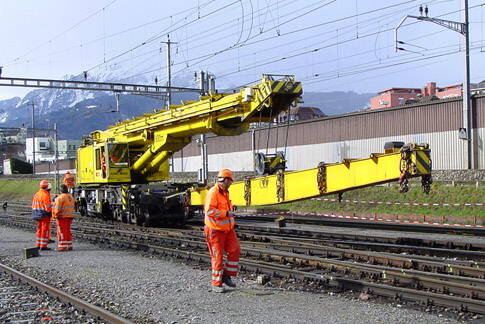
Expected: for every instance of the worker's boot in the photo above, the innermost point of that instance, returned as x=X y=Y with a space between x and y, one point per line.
x=218 y=289
x=228 y=281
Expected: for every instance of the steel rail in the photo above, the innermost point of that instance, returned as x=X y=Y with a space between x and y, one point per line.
x=430 y=298
x=408 y=262
x=370 y=224
x=423 y=280
x=242 y=224
x=447 y=283
x=463 y=303
x=293 y=232
x=67 y=298
x=388 y=248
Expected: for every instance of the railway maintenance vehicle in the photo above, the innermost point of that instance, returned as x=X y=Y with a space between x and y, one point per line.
x=123 y=172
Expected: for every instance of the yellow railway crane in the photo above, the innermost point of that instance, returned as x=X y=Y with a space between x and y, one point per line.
x=123 y=171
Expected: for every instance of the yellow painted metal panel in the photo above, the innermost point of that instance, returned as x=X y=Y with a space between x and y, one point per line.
x=119 y=175
x=85 y=165
x=162 y=173
x=303 y=184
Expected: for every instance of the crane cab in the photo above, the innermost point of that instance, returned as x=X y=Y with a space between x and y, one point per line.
x=103 y=163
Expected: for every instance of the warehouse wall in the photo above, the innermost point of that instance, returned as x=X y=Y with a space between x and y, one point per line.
x=350 y=136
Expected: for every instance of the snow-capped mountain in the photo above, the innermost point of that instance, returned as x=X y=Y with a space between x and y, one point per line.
x=6 y=106
x=79 y=112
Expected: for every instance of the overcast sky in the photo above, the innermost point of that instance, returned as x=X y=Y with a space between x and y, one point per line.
x=328 y=45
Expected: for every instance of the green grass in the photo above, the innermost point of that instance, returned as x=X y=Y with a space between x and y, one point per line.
x=19 y=189
x=439 y=194
x=23 y=190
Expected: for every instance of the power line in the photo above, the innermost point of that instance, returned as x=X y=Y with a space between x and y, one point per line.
x=231 y=47
x=159 y=35
x=209 y=56
x=99 y=39
x=367 y=69
x=66 y=31
x=203 y=34
x=287 y=57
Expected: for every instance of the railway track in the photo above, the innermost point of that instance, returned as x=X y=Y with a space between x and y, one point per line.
x=440 y=273
x=328 y=221
x=396 y=244
x=23 y=300
x=319 y=220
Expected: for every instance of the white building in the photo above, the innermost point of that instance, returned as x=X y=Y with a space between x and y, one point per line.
x=45 y=149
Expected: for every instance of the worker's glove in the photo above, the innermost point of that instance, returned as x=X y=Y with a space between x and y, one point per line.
x=231 y=214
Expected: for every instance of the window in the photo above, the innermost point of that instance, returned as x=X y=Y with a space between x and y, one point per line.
x=98 y=159
x=118 y=155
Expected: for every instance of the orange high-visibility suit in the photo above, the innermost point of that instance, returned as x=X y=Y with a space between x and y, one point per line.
x=64 y=213
x=220 y=234
x=69 y=180
x=41 y=212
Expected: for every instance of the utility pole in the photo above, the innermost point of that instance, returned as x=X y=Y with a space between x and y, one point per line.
x=462 y=28
x=467 y=108
x=204 y=171
x=169 y=84
x=56 y=156
x=169 y=72
x=33 y=138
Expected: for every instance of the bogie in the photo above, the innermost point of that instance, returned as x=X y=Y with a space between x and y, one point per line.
x=142 y=205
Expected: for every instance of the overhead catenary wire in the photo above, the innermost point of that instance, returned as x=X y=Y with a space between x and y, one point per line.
x=118 y=33
x=386 y=66
x=193 y=63
x=208 y=56
x=158 y=36
x=371 y=34
x=135 y=55
x=287 y=57
x=66 y=30
x=279 y=25
x=204 y=33
x=235 y=47
x=310 y=51
x=314 y=26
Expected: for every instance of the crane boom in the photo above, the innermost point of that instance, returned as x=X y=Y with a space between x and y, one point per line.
x=151 y=139
x=409 y=161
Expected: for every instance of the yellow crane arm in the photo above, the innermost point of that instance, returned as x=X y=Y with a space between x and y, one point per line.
x=412 y=161
x=158 y=135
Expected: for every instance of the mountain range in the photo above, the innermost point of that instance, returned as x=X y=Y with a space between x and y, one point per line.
x=79 y=112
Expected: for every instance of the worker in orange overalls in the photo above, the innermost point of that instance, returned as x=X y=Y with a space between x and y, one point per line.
x=42 y=212
x=103 y=166
x=63 y=212
x=69 y=180
x=219 y=232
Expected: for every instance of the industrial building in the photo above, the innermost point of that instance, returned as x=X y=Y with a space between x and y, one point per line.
x=353 y=135
x=45 y=149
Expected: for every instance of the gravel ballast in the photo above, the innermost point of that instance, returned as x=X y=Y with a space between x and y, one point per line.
x=147 y=289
